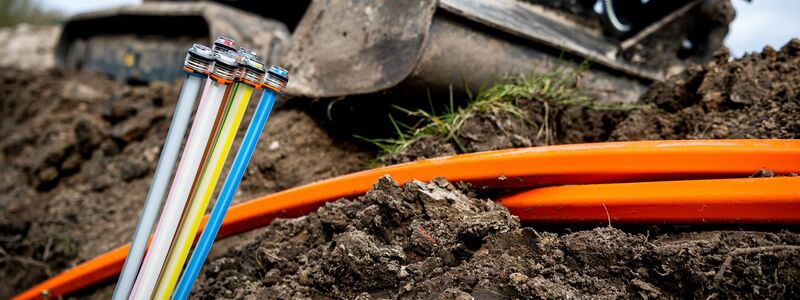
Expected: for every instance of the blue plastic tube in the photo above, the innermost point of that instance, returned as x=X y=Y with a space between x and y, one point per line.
x=226 y=194
x=152 y=204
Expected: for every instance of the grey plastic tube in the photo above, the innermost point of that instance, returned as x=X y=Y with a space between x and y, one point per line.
x=152 y=204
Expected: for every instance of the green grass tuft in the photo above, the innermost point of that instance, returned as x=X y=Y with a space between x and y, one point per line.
x=556 y=87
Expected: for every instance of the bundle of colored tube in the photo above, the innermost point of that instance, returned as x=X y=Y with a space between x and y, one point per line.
x=274 y=83
x=202 y=137
x=196 y=66
x=233 y=76
x=250 y=77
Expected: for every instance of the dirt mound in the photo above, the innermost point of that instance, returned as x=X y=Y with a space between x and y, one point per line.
x=756 y=96
x=77 y=152
x=73 y=165
x=439 y=241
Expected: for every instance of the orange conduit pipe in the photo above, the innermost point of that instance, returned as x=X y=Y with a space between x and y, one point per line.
x=719 y=201
x=614 y=162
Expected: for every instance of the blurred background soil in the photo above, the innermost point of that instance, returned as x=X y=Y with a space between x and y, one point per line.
x=77 y=152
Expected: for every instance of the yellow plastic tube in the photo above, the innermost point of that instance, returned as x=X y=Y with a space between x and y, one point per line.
x=192 y=161
x=205 y=189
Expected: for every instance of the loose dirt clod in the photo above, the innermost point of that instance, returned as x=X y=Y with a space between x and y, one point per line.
x=756 y=96
x=364 y=245
x=439 y=241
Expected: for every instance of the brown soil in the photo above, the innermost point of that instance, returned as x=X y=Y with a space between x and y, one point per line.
x=439 y=241
x=78 y=154
x=756 y=96
x=78 y=151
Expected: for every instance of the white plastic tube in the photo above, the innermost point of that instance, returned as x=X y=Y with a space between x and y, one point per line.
x=152 y=203
x=205 y=189
x=199 y=136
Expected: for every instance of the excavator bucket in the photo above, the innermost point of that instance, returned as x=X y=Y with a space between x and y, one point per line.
x=384 y=45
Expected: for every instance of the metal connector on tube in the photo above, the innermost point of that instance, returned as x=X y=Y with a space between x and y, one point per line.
x=199 y=60
x=275 y=81
x=201 y=134
x=245 y=58
x=225 y=68
x=197 y=63
x=253 y=71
